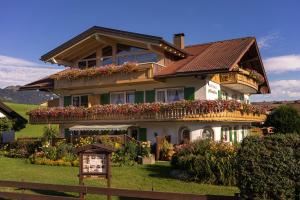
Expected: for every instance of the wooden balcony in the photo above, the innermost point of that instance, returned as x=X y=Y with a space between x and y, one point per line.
x=145 y=73
x=177 y=114
x=239 y=82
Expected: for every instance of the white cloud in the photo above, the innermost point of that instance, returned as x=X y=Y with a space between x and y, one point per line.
x=281 y=90
x=283 y=63
x=265 y=42
x=16 y=71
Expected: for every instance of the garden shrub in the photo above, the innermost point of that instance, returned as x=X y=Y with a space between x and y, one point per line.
x=166 y=151
x=21 y=149
x=269 y=167
x=207 y=161
x=285 y=119
x=127 y=155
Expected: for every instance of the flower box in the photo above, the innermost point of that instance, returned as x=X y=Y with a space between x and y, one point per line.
x=146 y=160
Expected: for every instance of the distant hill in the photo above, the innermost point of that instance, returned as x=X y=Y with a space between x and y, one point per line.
x=11 y=94
x=274 y=104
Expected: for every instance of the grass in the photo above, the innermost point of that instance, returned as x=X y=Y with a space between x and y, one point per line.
x=30 y=130
x=140 y=177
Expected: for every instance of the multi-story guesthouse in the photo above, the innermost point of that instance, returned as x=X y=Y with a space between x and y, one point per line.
x=118 y=81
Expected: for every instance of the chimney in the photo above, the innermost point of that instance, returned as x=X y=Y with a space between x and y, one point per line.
x=178 y=40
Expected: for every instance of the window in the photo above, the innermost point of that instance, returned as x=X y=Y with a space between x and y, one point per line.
x=208 y=133
x=175 y=94
x=184 y=135
x=78 y=101
x=225 y=134
x=107 y=56
x=130 y=97
x=89 y=61
x=224 y=95
x=122 y=97
x=169 y=95
x=161 y=96
x=126 y=53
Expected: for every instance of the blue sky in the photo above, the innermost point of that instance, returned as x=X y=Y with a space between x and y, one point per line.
x=30 y=28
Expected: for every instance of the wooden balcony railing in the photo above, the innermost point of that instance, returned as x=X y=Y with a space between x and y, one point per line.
x=238 y=78
x=145 y=73
x=177 y=114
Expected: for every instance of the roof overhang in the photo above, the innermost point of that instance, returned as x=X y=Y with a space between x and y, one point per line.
x=96 y=31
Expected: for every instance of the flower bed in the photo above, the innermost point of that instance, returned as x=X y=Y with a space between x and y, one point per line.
x=73 y=74
x=202 y=106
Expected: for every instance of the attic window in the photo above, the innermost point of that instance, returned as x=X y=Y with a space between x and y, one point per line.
x=107 y=55
x=126 y=53
x=89 y=61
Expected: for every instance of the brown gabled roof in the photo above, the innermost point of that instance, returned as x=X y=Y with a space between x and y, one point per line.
x=215 y=56
x=44 y=84
x=112 y=32
x=11 y=114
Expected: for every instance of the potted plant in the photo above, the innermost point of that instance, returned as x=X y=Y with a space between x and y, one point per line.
x=146 y=158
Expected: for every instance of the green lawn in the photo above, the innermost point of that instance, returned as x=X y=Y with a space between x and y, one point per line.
x=135 y=177
x=30 y=130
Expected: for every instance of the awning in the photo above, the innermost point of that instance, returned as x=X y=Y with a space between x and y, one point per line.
x=100 y=127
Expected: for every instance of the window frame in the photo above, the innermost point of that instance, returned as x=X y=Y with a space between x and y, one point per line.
x=134 y=54
x=87 y=61
x=166 y=93
x=124 y=95
x=80 y=103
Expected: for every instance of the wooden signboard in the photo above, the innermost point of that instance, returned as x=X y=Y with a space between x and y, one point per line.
x=94 y=162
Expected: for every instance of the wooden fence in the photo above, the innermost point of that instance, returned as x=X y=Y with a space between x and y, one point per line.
x=96 y=191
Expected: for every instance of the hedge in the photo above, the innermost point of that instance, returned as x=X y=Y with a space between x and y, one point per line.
x=207 y=162
x=269 y=167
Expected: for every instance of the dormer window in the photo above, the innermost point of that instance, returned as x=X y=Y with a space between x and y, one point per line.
x=126 y=53
x=89 y=61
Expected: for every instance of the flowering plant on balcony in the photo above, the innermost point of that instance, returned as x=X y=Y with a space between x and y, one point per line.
x=107 y=70
x=199 y=106
x=256 y=75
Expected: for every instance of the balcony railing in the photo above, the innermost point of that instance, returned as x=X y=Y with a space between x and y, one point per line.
x=143 y=72
x=177 y=113
x=238 y=78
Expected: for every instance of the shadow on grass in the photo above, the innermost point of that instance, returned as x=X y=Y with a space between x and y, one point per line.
x=54 y=193
x=159 y=171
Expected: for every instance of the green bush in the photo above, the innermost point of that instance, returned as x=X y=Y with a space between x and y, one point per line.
x=269 y=167
x=127 y=155
x=65 y=150
x=207 y=161
x=284 y=119
x=5 y=124
x=50 y=152
x=21 y=149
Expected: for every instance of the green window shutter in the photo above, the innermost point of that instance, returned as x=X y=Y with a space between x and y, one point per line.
x=235 y=136
x=84 y=101
x=67 y=101
x=219 y=94
x=142 y=134
x=189 y=93
x=105 y=98
x=222 y=134
x=139 y=97
x=67 y=133
x=230 y=135
x=150 y=96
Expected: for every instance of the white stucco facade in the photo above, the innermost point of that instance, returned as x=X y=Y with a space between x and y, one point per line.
x=205 y=89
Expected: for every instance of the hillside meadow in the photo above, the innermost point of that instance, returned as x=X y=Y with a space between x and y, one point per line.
x=30 y=130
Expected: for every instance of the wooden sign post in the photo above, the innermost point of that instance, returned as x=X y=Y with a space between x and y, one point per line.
x=94 y=162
